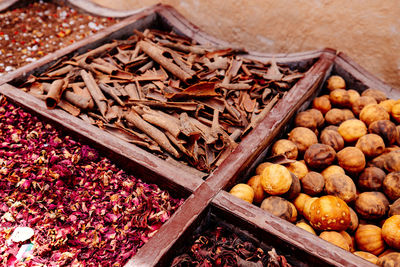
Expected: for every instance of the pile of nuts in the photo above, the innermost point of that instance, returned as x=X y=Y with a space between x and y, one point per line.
x=338 y=173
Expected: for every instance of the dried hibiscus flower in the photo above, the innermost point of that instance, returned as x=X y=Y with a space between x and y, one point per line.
x=84 y=211
x=221 y=247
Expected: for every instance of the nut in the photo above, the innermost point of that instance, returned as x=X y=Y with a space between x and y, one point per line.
x=285 y=147
x=362 y=102
x=371 y=205
x=351 y=130
x=391 y=231
x=351 y=159
x=243 y=191
x=319 y=156
x=303 y=138
x=371 y=145
x=259 y=193
x=371 y=179
x=322 y=103
x=332 y=138
x=342 y=186
x=369 y=238
x=378 y=95
x=335 y=82
x=335 y=116
x=276 y=179
x=385 y=129
x=340 y=98
x=391 y=185
x=336 y=239
x=278 y=206
x=372 y=113
x=313 y=183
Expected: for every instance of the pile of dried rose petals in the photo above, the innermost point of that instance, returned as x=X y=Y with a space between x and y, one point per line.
x=82 y=208
x=220 y=247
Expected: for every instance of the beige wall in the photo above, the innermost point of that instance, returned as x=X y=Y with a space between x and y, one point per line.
x=367 y=30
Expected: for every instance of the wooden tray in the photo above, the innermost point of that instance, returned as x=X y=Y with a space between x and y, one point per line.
x=176 y=177
x=356 y=78
x=163 y=18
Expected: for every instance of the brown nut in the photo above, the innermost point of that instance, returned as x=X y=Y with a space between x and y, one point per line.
x=322 y=103
x=305 y=226
x=396 y=111
x=336 y=239
x=391 y=231
x=388 y=104
x=369 y=238
x=394 y=209
x=362 y=102
x=285 y=147
x=335 y=116
x=335 y=82
x=303 y=138
x=313 y=183
x=349 y=240
x=371 y=179
x=367 y=256
x=348 y=114
x=342 y=186
x=351 y=159
x=319 y=156
x=332 y=170
x=371 y=145
x=262 y=166
x=354 y=95
x=294 y=189
x=276 y=179
x=351 y=130
x=259 y=193
x=389 y=161
x=278 y=206
x=329 y=213
x=377 y=94
x=332 y=138
x=389 y=260
x=391 y=185
x=372 y=113
x=371 y=205
x=318 y=116
x=340 y=98
x=306 y=119
x=353 y=221
x=298 y=168
x=300 y=201
x=243 y=191
x=385 y=129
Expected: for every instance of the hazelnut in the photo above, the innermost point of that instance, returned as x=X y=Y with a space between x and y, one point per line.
x=385 y=129
x=332 y=138
x=243 y=191
x=276 y=179
x=389 y=161
x=298 y=168
x=351 y=159
x=396 y=111
x=285 y=147
x=371 y=179
x=259 y=193
x=353 y=221
x=391 y=185
x=333 y=169
x=300 y=201
x=340 y=98
x=329 y=213
x=371 y=205
x=362 y=102
x=322 y=103
x=319 y=156
x=371 y=145
x=351 y=130
x=305 y=226
x=354 y=95
x=367 y=256
x=388 y=104
x=278 y=206
x=303 y=138
x=369 y=238
x=394 y=209
x=335 y=82
x=336 y=239
x=342 y=186
x=335 y=116
x=391 y=231
x=318 y=116
x=313 y=183
x=377 y=94
x=372 y=113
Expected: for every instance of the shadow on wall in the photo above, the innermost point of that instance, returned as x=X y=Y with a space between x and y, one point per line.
x=367 y=30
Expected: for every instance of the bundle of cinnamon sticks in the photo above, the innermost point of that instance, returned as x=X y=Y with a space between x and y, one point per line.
x=161 y=92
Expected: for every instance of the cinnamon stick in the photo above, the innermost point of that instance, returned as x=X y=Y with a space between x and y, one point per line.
x=151 y=131
x=156 y=54
x=95 y=91
x=54 y=95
